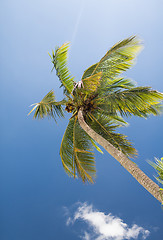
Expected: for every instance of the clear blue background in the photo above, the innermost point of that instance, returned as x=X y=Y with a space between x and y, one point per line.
x=33 y=185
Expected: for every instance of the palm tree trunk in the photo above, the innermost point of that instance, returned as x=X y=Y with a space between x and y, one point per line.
x=132 y=168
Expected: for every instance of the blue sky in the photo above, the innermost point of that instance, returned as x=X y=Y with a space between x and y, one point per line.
x=38 y=200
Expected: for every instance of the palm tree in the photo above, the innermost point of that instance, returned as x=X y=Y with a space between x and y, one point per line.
x=98 y=104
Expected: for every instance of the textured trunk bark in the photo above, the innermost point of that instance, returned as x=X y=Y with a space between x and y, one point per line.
x=141 y=177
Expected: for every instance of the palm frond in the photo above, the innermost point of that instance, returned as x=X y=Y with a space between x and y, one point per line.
x=158 y=165
x=139 y=101
x=106 y=126
x=59 y=60
x=114 y=117
x=48 y=107
x=66 y=149
x=76 y=152
x=114 y=85
x=91 y=83
x=118 y=59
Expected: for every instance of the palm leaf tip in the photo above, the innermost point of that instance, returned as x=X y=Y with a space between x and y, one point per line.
x=35 y=105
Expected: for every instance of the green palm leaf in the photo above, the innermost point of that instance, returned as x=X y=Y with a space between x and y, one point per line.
x=113 y=85
x=106 y=126
x=118 y=59
x=139 y=101
x=91 y=83
x=76 y=152
x=59 y=60
x=158 y=165
x=48 y=107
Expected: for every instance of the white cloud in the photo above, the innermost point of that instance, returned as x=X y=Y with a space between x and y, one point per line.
x=86 y=236
x=105 y=227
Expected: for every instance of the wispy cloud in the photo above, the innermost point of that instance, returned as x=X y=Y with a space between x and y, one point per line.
x=105 y=227
x=77 y=22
